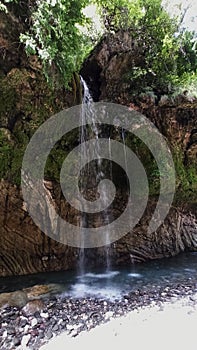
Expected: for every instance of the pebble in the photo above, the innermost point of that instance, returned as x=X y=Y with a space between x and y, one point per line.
x=5 y=333
x=16 y=341
x=109 y=314
x=25 y=340
x=55 y=328
x=49 y=335
x=31 y=326
x=11 y=331
x=34 y=322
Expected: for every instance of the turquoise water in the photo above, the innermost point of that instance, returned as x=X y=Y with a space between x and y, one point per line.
x=114 y=283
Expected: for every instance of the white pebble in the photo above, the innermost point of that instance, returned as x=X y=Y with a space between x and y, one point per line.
x=34 y=322
x=70 y=327
x=109 y=314
x=5 y=333
x=25 y=341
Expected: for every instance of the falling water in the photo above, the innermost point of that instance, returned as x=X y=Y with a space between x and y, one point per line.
x=92 y=171
x=125 y=155
x=86 y=114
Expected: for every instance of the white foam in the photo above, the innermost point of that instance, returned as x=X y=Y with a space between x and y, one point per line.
x=80 y=290
x=109 y=274
x=135 y=275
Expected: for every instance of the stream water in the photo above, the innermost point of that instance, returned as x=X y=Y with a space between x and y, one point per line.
x=115 y=283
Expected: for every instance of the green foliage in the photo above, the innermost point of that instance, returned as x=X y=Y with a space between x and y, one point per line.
x=55 y=36
x=187 y=84
x=167 y=59
x=62 y=36
x=120 y=14
x=167 y=54
x=3 y=4
x=187 y=55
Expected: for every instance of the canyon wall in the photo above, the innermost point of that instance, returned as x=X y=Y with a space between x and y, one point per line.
x=26 y=101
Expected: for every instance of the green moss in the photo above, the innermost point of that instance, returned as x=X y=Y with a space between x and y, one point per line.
x=186 y=175
x=26 y=101
x=59 y=153
x=186 y=178
x=6 y=154
x=8 y=98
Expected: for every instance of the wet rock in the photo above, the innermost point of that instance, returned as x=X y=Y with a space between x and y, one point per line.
x=36 y=291
x=42 y=290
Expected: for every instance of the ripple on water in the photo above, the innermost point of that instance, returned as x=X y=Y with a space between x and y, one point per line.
x=190 y=270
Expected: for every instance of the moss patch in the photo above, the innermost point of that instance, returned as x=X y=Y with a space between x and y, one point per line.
x=26 y=101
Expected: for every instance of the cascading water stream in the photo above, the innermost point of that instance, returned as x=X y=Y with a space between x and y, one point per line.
x=125 y=155
x=93 y=173
x=86 y=112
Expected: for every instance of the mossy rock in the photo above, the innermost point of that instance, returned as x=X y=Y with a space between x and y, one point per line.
x=27 y=101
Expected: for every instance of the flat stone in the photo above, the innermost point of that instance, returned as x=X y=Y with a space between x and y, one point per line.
x=39 y=291
x=18 y=299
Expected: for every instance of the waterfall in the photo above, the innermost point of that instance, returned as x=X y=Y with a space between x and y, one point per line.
x=125 y=155
x=93 y=173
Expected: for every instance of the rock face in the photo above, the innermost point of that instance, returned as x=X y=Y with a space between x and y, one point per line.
x=25 y=249
x=26 y=101
x=106 y=70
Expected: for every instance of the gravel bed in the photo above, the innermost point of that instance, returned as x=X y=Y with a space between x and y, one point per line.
x=41 y=320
